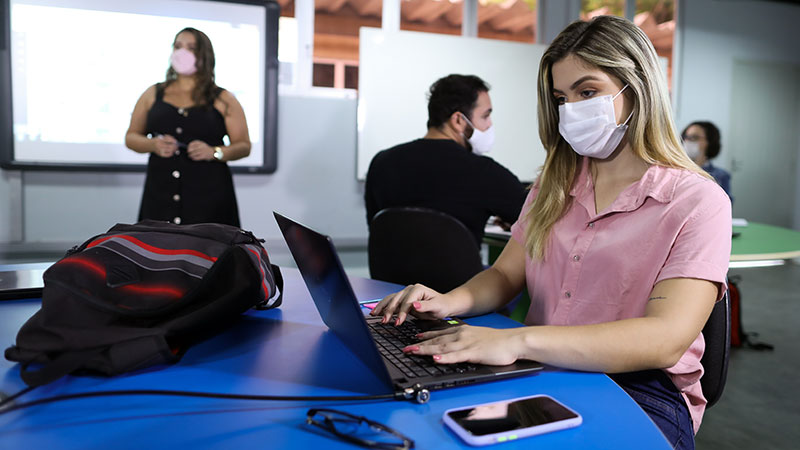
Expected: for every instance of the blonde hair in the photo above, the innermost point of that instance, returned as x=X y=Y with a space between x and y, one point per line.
x=619 y=48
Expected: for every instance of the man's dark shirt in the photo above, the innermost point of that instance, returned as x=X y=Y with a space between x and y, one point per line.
x=441 y=174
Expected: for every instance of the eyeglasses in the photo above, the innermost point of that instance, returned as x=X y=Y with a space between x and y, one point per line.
x=693 y=137
x=358 y=430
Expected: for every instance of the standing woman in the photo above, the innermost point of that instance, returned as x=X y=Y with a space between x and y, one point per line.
x=623 y=241
x=181 y=123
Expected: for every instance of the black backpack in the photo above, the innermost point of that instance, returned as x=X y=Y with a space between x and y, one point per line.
x=140 y=295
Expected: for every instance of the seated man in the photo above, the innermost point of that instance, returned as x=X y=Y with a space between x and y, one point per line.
x=445 y=170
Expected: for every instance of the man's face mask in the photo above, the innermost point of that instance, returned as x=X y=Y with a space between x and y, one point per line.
x=481 y=141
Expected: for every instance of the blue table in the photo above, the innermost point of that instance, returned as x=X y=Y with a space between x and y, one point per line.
x=289 y=351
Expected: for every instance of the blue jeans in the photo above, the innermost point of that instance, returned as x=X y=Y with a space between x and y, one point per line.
x=660 y=399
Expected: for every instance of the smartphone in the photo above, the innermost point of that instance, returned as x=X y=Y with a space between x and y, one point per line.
x=509 y=420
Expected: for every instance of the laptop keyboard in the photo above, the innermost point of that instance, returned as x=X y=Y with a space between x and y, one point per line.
x=392 y=339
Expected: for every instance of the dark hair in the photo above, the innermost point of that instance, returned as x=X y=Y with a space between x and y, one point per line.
x=205 y=90
x=453 y=93
x=712 y=137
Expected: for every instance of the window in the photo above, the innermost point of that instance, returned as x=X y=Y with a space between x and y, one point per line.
x=287 y=50
x=657 y=19
x=287 y=44
x=513 y=20
x=592 y=8
x=336 y=25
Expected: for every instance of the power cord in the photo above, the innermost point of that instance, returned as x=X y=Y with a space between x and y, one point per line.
x=416 y=393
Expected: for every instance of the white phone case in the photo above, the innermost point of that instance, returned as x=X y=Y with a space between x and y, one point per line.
x=508 y=436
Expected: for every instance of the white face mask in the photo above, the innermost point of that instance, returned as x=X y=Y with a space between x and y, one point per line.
x=692 y=149
x=481 y=141
x=590 y=126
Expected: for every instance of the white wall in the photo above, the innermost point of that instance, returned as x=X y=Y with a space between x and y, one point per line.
x=315 y=183
x=392 y=112
x=10 y=187
x=714 y=34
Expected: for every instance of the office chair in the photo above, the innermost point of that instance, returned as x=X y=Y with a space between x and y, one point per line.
x=717 y=334
x=421 y=245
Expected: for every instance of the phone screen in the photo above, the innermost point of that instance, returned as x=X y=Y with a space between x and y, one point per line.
x=505 y=416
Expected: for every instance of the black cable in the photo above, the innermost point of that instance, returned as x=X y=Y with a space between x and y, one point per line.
x=407 y=394
x=4 y=401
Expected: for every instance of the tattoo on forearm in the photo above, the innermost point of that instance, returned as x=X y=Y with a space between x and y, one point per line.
x=656 y=298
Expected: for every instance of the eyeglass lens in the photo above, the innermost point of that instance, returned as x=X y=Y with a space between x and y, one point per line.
x=363 y=431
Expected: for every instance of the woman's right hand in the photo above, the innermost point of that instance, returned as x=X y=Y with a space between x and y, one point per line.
x=165 y=145
x=418 y=300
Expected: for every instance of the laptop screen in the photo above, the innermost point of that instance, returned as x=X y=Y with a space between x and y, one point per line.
x=330 y=289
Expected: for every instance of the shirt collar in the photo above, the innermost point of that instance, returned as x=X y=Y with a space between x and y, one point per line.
x=658 y=183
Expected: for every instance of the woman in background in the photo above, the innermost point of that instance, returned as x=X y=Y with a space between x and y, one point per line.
x=702 y=143
x=181 y=122
x=619 y=241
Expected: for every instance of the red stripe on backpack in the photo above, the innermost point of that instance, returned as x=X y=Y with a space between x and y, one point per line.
x=161 y=251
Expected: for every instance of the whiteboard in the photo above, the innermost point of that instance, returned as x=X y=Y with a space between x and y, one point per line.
x=396 y=70
x=77 y=119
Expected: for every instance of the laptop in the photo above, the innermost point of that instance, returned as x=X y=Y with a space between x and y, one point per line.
x=22 y=281
x=378 y=345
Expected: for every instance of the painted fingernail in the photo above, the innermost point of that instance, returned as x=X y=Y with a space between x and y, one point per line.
x=397 y=322
x=418 y=335
x=437 y=357
x=417 y=305
x=411 y=348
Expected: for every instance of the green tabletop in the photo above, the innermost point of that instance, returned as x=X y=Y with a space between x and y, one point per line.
x=758 y=241
x=755 y=242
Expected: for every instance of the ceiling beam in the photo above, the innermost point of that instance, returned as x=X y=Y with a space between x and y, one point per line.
x=454 y=15
x=426 y=11
x=369 y=7
x=331 y=6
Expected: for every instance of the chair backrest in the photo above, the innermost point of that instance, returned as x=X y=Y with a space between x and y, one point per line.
x=421 y=245
x=717 y=334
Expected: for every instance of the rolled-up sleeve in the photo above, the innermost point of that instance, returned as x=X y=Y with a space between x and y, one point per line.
x=702 y=248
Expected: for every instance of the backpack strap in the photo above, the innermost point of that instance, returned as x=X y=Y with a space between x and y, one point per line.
x=57 y=368
x=120 y=357
x=273 y=302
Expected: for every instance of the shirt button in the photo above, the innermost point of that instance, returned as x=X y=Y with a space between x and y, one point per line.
x=176 y=174
x=180 y=111
x=568 y=294
x=176 y=221
x=591 y=224
x=179 y=130
x=177 y=152
x=576 y=258
x=176 y=197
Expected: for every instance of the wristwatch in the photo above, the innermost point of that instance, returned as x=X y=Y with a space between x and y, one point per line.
x=218 y=155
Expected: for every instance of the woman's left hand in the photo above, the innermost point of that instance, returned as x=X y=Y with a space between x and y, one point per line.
x=200 y=151
x=471 y=344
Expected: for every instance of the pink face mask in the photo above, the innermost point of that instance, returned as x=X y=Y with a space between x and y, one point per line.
x=183 y=61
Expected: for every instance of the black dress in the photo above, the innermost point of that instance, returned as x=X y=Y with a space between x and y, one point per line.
x=178 y=189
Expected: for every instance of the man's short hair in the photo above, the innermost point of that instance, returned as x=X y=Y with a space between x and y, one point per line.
x=453 y=93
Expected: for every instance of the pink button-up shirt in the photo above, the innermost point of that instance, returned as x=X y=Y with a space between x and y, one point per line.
x=672 y=223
